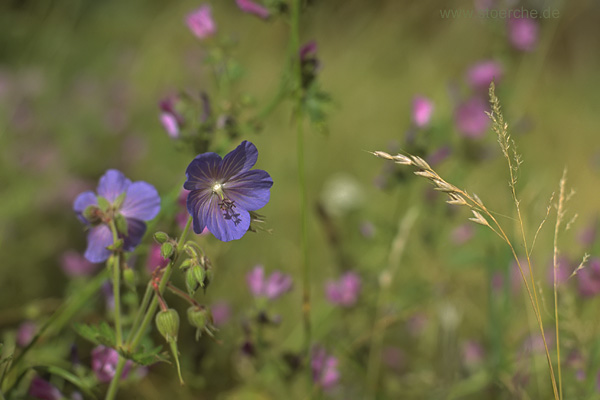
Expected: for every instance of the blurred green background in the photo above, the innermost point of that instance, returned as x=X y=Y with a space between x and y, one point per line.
x=80 y=83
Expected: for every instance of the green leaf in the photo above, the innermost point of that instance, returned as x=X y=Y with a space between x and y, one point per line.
x=145 y=357
x=103 y=203
x=101 y=334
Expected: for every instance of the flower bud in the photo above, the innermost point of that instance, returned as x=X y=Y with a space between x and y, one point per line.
x=201 y=319
x=167 y=250
x=93 y=214
x=191 y=283
x=129 y=277
x=161 y=237
x=167 y=322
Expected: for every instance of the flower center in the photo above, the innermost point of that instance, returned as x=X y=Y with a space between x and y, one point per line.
x=226 y=205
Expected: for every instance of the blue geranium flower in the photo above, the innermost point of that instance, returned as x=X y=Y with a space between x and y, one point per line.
x=135 y=201
x=224 y=191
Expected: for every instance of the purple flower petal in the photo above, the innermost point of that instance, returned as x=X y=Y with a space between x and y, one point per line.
x=225 y=225
x=82 y=201
x=135 y=232
x=201 y=22
x=256 y=280
x=112 y=184
x=141 y=202
x=277 y=284
x=251 y=7
x=250 y=190
x=169 y=122
x=44 y=390
x=196 y=199
x=99 y=238
x=239 y=160
x=203 y=171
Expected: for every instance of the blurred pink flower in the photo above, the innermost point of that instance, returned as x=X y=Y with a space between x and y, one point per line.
x=25 y=333
x=344 y=292
x=75 y=264
x=439 y=155
x=221 y=313
x=422 y=109
x=201 y=22
x=472 y=353
x=251 y=7
x=324 y=368
x=104 y=363
x=471 y=119
x=155 y=259
x=480 y=75
x=588 y=234
x=563 y=271
x=589 y=278
x=523 y=33
x=462 y=233
x=169 y=122
x=272 y=287
x=44 y=390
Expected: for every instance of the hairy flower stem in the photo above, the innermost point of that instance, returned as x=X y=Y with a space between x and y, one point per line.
x=132 y=345
x=116 y=281
x=299 y=116
x=559 y=217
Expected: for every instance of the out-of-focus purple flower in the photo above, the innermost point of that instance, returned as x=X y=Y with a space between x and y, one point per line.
x=367 y=229
x=272 y=287
x=344 y=292
x=417 y=324
x=324 y=368
x=221 y=312
x=480 y=75
x=170 y=118
x=155 y=259
x=308 y=50
x=224 y=191
x=535 y=343
x=104 y=363
x=44 y=390
x=439 y=155
x=523 y=33
x=25 y=333
x=251 y=7
x=201 y=22
x=462 y=233
x=422 y=109
x=589 y=278
x=137 y=202
x=563 y=271
x=472 y=353
x=394 y=358
x=471 y=119
x=74 y=264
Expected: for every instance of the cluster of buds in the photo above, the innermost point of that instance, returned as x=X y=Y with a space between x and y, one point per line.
x=197 y=268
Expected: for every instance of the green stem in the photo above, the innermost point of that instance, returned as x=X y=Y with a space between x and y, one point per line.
x=295 y=45
x=64 y=314
x=116 y=281
x=132 y=345
x=140 y=311
x=182 y=294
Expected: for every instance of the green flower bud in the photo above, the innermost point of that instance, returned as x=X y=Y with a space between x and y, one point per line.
x=185 y=265
x=161 y=237
x=93 y=214
x=201 y=319
x=129 y=277
x=167 y=250
x=167 y=323
x=191 y=283
x=199 y=274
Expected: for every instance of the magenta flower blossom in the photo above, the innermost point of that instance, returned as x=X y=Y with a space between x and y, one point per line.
x=589 y=278
x=523 y=33
x=462 y=234
x=324 y=368
x=272 y=287
x=344 y=292
x=251 y=7
x=480 y=75
x=201 y=22
x=221 y=313
x=155 y=259
x=563 y=271
x=44 y=390
x=137 y=202
x=224 y=191
x=104 y=363
x=170 y=119
x=74 y=264
x=25 y=333
x=422 y=109
x=471 y=119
